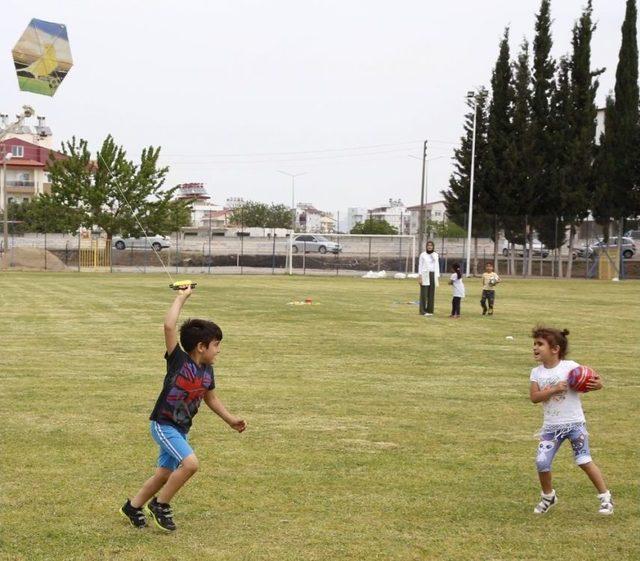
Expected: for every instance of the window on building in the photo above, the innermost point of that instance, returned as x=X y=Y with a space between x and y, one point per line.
x=17 y=151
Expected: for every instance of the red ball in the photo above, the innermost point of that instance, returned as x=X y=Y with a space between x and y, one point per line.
x=579 y=377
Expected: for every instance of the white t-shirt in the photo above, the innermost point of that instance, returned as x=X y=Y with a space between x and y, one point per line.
x=562 y=408
x=458 y=286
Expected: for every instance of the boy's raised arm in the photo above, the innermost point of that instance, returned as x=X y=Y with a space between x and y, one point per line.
x=171 y=319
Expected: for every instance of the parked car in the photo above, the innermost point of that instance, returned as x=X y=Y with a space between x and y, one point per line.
x=628 y=247
x=582 y=252
x=313 y=242
x=633 y=234
x=156 y=242
x=538 y=249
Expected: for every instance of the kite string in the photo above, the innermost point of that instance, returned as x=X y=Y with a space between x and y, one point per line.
x=133 y=212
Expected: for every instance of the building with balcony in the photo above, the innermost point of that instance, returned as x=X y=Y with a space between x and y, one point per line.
x=25 y=175
x=310 y=219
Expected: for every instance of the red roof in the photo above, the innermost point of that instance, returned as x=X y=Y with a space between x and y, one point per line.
x=217 y=213
x=32 y=152
x=21 y=162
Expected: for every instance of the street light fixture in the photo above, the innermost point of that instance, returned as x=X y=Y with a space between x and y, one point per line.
x=472 y=97
x=293 y=213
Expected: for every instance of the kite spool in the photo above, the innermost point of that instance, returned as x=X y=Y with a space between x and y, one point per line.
x=182 y=285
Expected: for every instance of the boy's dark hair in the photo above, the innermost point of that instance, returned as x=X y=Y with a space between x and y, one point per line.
x=488 y=264
x=456 y=269
x=554 y=337
x=194 y=331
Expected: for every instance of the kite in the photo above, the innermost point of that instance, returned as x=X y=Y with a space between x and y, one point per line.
x=42 y=57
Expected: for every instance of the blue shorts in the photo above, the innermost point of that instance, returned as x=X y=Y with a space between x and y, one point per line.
x=174 y=445
x=550 y=444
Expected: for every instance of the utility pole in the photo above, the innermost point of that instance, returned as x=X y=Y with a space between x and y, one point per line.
x=423 y=188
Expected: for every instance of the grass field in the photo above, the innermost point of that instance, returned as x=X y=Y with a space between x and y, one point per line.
x=374 y=433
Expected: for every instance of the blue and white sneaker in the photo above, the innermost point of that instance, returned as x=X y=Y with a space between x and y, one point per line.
x=546 y=502
x=606 y=503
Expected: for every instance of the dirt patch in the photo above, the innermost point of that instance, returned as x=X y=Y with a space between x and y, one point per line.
x=34 y=258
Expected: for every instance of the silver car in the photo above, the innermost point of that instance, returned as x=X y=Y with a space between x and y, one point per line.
x=155 y=242
x=628 y=247
x=538 y=249
x=313 y=242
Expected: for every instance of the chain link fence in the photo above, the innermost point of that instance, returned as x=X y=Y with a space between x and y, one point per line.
x=536 y=247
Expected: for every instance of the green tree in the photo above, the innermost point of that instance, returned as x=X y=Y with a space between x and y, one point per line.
x=617 y=191
x=499 y=165
x=544 y=201
x=253 y=214
x=112 y=192
x=374 y=226
x=519 y=194
x=551 y=227
x=457 y=196
x=43 y=214
x=579 y=181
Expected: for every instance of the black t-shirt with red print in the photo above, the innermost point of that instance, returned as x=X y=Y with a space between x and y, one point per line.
x=184 y=387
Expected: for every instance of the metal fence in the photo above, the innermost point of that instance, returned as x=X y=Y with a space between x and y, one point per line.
x=243 y=254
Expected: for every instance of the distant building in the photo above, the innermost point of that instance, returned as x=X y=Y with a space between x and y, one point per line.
x=27 y=170
x=355 y=215
x=435 y=211
x=202 y=208
x=233 y=202
x=395 y=213
x=310 y=219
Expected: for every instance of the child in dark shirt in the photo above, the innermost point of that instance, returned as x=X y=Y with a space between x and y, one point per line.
x=189 y=381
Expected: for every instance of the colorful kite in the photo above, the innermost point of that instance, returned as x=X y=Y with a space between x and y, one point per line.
x=42 y=57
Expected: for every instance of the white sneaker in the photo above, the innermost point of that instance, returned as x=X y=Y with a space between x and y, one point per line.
x=546 y=503
x=606 y=503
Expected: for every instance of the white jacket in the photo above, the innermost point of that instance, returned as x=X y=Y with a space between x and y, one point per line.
x=428 y=261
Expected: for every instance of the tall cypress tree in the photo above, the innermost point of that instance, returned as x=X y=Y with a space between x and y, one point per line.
x=519 y=193
x=561 y=128
x=499 y=167
x=457 y=196
x=584 y=85
x=620 y=150
x=543 y=202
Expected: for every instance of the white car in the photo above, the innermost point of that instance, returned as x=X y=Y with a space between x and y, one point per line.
x=538 y=249
x=155 y=242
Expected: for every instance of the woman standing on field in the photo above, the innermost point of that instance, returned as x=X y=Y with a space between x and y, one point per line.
x=428 y=277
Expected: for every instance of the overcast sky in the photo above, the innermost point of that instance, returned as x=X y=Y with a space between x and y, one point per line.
x=343 y=91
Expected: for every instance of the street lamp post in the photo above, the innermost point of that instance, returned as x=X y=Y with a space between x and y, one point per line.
x=5 y=205
x=27 y=111
x=471 y=96
x=293 y=213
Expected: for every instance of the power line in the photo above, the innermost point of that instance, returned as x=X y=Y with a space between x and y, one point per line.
x=335 y=157
x=303 y=152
